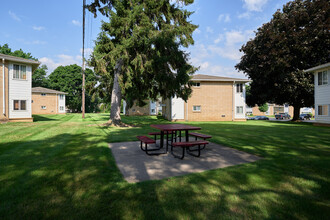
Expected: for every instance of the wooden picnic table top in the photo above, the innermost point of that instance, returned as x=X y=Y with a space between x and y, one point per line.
x=174 y=127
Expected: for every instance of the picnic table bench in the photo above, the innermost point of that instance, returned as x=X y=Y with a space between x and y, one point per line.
x=147 y=140
x=202 y=136
x=186 y=146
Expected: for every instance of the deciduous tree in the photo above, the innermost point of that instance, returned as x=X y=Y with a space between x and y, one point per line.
x=69 y=79
x=263 y=107
x=39 y=77
x=296 y=38
x=140 y=51
x=5 y=49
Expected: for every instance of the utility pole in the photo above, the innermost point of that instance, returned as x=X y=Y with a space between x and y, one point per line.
x=83 y=63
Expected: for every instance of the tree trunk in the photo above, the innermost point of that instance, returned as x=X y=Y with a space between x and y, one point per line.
x=296 y=112
x=116 y=96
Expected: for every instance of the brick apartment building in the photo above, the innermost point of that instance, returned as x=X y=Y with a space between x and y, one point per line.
x=213 y=98
x=47 y=101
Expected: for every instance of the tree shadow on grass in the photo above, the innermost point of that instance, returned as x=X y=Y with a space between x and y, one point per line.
x=37 y=118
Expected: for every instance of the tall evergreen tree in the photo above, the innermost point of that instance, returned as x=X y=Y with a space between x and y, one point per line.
x=140 y=50
x=295 y=39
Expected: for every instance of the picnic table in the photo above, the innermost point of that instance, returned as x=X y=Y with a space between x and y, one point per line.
x=167 y=128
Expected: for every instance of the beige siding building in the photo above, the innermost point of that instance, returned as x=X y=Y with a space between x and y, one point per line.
x=15 y=88
x=274 y=109
x=47 y=101
x=151 y=108
x=213 y=99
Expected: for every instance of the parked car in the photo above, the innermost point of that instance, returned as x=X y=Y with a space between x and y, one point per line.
x=305 y=117
x=259 y=118
x=283 y=116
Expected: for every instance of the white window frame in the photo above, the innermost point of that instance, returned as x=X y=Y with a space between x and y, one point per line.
x=61 y=97
x=195 y=108
x=239 y=88
x=323 y=80
x=324 y=108
x=43 y=107
x=238 y=108
x=19 y=75
x=61 y=108
x=19 y=105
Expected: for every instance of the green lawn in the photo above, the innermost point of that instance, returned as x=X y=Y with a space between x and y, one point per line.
x=61 y=167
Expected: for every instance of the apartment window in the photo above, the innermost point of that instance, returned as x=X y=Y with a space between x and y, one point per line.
x=196 y=108
x=239 y=88
x=61 y=108
x=19 y=71
x=43 y=94
x=19 y=105
x=239 y=109
x=61 y=97
x=322 y=78
x=322 y=110
x=196 y=84
x=43 y=107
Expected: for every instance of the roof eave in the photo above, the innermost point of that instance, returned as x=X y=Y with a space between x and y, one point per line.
x=223 y=80
x=317 y=67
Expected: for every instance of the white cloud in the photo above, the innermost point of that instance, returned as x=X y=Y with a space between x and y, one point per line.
x=232 y=42
x=234 y=37
x=209 y=30
x=201 y=50
x=219 y=39
x=34 y=42
x=228 y=52
x=76 y=22
x=244 y=15
x=60 y=60
x=197 y=31
x=14 y=16
x=254 y=5
x=224 y=17
x=38 y=28
x=209 y=68
x=206 y=58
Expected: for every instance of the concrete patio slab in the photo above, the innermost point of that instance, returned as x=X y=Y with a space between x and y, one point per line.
x=136 y=165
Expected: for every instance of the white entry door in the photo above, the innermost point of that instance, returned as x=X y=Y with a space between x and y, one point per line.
x=177 y=108
x=153 y=108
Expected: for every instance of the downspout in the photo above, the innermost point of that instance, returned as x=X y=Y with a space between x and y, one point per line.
x=171 y=109
x=187 y=110
x=3 y=87
x=57 y=100
x=233 y=100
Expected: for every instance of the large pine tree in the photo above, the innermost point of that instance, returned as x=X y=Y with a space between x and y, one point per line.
x=140 y=50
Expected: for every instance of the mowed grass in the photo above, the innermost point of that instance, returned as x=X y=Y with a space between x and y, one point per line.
x=60 y=167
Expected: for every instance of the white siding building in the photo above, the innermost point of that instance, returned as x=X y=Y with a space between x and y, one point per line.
x=322 y=92
x=15 y=88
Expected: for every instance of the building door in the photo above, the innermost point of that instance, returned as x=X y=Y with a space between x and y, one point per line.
x=153 y=108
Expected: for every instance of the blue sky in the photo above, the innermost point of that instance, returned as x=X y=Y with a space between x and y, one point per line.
x=51 y=30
